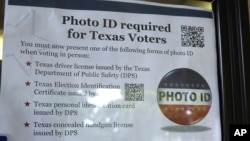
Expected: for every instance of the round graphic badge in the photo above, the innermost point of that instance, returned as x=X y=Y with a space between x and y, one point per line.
x=184 y=96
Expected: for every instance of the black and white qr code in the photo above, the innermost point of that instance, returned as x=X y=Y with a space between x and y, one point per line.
x=134 y=92
x=192 y=36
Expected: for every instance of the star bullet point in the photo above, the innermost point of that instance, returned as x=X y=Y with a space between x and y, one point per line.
x=27 y=83
x=28 y=63
x=27 y=104
x=26 y=124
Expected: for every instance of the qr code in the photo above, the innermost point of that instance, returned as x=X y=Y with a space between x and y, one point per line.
x=134 y=92
x=192 y=36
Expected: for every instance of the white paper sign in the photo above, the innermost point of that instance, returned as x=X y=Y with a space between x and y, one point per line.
x=108 y=71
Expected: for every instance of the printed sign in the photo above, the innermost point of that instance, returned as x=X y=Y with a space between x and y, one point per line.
x=108 y=70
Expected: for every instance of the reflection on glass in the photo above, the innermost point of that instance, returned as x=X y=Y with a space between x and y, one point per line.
x=105 y=96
